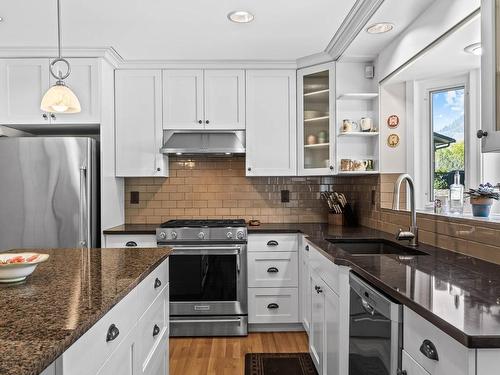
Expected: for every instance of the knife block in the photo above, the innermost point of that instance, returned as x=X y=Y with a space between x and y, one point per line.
x=336 y=219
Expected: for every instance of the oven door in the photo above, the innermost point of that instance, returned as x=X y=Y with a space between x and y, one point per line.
x=208 y=280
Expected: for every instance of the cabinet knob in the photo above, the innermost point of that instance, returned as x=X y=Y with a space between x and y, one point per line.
x=131 y=244
x=249 y=169
x=52 y=116
x=157 y=283
x=113 y=333
x=331 y=167
x=207 y=122
x=481 y=133
x=272 y=243
x=429 y=350
x=158 y=169
x=273 y=306
x=272 y=270
x=401 y=372
x=156 y=330
x=307 y=247
x=200 y=122
x=45 y=117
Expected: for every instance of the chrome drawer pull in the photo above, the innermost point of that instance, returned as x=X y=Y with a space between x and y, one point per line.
x=156 y=330
x=131 y=244
x=307 y=247
x=273 y=306
x=272 y=243
x=113 y=333
x=272 y=270
x=429 y=350
x=157 y=283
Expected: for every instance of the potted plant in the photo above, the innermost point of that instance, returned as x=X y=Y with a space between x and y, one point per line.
x=482 y=198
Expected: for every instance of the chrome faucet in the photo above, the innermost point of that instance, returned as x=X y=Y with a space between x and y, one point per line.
x=412 y=234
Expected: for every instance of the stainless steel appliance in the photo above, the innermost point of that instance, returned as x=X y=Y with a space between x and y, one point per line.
x=208 y=276
x=375 y=331
x=48 y=192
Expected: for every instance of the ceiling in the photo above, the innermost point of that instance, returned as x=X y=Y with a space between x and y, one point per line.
x=455 y=61
x=178 y=30
x=366 y=47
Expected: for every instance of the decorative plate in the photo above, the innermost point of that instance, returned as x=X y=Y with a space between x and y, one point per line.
x=393 y=121
x=393 y=140
x=16 y=267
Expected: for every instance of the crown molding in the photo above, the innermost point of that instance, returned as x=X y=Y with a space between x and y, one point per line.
x=311 y=60
x=356 y=19
x=207 y=64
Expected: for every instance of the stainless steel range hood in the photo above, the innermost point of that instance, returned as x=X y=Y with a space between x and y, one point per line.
x=185 y=142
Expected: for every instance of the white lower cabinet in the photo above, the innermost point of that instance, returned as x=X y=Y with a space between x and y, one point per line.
x=273 y=305
x=411 y=367
x=129 y=240
x=131 y=339
x=304 y=286
x=317 y=324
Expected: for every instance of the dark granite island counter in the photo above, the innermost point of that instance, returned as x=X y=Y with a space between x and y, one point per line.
x=63 y=299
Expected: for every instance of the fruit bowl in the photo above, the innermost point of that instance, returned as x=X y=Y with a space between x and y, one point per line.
x=16 y=267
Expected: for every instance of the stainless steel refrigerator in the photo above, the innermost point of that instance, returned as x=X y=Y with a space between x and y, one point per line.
x=48 y=192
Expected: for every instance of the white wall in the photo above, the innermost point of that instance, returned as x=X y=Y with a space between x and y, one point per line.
x=441 y=16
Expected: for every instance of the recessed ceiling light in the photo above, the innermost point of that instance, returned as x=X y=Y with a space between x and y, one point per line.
x=380 y=28
x=240 y=16
x=475 y=49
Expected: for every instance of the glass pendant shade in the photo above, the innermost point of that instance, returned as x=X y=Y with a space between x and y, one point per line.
x=60 y=99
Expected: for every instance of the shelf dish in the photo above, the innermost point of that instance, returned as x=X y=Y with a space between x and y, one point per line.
x=316 y=118
x=318 y=145
x=319 y=92
x=358 y=96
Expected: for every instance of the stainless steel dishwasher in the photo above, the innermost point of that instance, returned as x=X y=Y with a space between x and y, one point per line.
x=375 y=331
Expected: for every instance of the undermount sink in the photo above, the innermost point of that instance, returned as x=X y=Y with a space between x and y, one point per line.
x=374 y=247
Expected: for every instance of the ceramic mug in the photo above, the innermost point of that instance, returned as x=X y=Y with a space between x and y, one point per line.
x=359 y=165
x=345 y=164
x=349 y=126
x=312 y=139
x=366 y=124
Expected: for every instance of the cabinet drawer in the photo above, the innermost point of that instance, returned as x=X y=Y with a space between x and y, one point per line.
x=453 y=358
x=95 y=344
x=273 y=305
x=158 y=363
x=152 y=329
x=273 y=242
x=272 y=269
x=130 y=240
x=152 y=286
x=325 y=268
x=411 y=366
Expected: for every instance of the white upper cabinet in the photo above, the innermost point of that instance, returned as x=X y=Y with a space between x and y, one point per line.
x=203 y=99
x=138 y=124
x=224 y=99
x=84 y=80
x=316 y=120
x=23 y=82
x=490 y=72
x=183 y=99
x=22 y=85
x=271 y=123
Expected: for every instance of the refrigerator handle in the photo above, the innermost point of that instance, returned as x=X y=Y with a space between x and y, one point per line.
x=83 y=207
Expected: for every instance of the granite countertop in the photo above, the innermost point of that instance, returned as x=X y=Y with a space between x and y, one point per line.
x=457 y=293
x=65 y=296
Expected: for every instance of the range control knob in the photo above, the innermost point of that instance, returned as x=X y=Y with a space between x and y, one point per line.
x=201 y=235
x=173 y=235
x=162 y=235
x=229 y=235
x=240 y=235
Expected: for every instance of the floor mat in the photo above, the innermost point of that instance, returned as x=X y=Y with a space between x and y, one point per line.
x=279 y=364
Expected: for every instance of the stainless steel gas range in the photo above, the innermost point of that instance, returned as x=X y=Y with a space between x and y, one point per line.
x=208 y=276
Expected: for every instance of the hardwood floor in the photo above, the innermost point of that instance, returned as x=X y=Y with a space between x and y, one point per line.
x=226 y=355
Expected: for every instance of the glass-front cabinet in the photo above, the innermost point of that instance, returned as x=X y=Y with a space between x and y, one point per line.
x=316 y=119
x=490 y=76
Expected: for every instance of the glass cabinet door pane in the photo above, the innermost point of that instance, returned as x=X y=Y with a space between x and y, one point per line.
x=316 y=98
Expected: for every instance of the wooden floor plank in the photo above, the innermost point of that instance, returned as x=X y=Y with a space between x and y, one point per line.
x=226 y=355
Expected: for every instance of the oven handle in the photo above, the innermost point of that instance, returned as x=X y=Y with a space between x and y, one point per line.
x=207 y=321
x=206 y=251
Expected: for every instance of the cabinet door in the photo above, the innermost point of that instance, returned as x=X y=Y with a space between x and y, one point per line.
x=316 y=120
x=305 y=287
x=411 y=367
x=271 y=123
x=23 y=83
x=138 y=124
x=224 y=99
x=183 y=99
x=490 y=75
x=317 y=325
x=332 y=336
x=84 y=81
x=122 y=360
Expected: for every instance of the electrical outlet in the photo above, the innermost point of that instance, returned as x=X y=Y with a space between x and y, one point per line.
x=134 y=197
x=285 y=196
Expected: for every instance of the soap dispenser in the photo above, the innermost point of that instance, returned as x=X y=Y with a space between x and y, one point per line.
x=457 y=195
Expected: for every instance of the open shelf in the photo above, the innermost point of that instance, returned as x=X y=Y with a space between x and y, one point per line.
x=318 y=145
x=354 y=173
x=358 y=134
x=358 y=96
x=319 y=92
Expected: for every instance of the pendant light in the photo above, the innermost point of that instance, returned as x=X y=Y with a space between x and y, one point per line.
x=59 y=98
